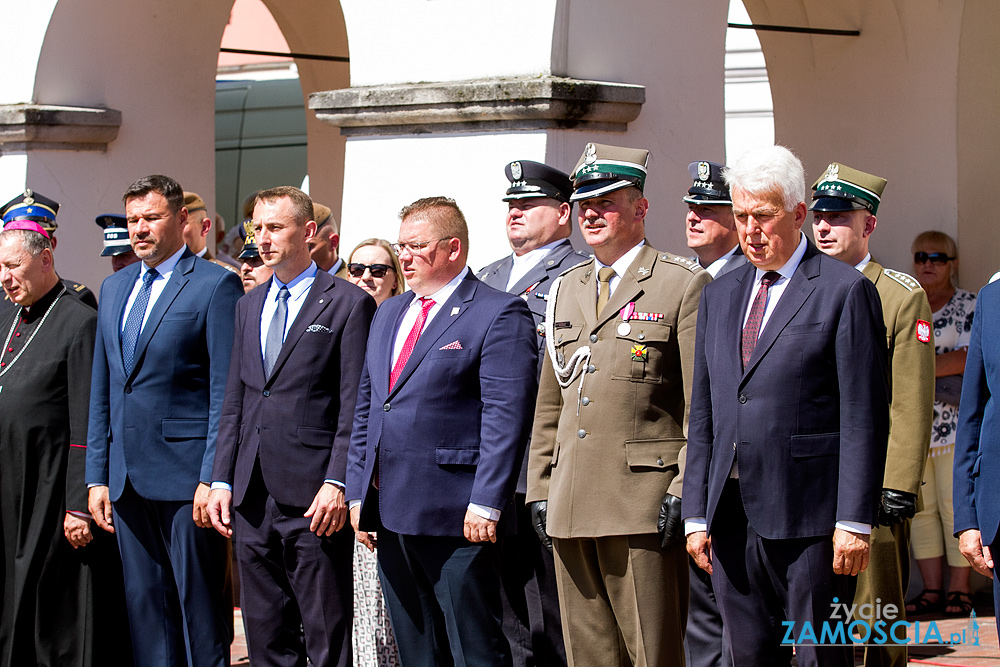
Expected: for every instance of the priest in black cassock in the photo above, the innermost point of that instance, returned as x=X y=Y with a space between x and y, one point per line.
x=62 y=580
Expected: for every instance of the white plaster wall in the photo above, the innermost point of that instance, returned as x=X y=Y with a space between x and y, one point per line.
x=386 y=174
x=24 y=29
x=400 y=41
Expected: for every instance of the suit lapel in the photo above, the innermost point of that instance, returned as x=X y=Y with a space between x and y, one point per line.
x=316 y=301
x=796 y=292
x=586 y=296
x=178 y=279
x=256 y=308
x=451 y=310
x=390 y=330
x=530 y=279
x=131 y=274
x=737 y=311
x=502 y=273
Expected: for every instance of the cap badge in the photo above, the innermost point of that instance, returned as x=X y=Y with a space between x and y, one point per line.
x=590 y=154
x=515 y=170
x=832 y=172
x=29 y=198
x=704 y=171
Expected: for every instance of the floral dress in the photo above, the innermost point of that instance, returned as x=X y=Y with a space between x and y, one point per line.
x=952 y=331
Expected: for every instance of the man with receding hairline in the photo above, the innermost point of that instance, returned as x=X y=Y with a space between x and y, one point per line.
x=325 y=244
x=439 y=432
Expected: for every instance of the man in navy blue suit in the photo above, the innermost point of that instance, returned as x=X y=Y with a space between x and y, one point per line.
x=442 y=418
x=976 y=488
x=286 y=423
x=164 y=335
x=789 y=423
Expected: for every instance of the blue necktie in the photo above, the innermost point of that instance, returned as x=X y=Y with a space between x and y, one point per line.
x=133 y=324
x=276 y=332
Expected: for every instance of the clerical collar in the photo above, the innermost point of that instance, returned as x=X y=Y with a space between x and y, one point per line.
x=37 y=309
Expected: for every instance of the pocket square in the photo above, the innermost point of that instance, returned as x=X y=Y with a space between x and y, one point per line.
x=452 y=346
x=317 y=328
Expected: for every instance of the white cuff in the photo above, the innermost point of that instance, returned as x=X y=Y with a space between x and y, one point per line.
x=696 y=524
x=353 y=503
x=485 y=512
x=222 y=485
x=335 y=483
x=854 y=527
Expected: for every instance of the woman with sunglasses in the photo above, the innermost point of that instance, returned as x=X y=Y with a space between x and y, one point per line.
x=935 y=265
x=373 y=267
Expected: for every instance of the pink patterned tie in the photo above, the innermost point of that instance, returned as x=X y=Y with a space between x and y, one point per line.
x=752 y=329
x=411 y=341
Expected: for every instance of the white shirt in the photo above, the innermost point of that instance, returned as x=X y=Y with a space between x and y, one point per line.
x=860 y=266
x=528 y=261
x=298 y=287
x=336 y=266
x=717 y=265
x=165 y=269
x=201 y=253
x=620 y=266
x=697 y=524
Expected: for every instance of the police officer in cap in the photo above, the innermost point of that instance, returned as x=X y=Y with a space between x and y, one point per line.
x=34 y=207
x=538 y=229
x=116 y=243
x=608 y=432
x=711 y=228
x=253 y=271
x=844 y=205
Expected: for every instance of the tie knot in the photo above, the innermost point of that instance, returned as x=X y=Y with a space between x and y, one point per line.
x=770 y=278
x=283 y=293
x=605 y=274
x=426 y=303
x=150 y=276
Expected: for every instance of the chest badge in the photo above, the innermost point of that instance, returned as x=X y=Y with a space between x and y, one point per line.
x=640 y=353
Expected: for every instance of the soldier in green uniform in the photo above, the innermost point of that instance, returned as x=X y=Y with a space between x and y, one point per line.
x=844 y=205
x=33 y=207
x=610 y=425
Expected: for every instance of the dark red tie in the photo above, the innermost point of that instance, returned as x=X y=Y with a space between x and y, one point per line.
x=752 y=329
x=411 y=341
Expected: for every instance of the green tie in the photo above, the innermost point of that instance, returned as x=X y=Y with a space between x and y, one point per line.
x=604 y=277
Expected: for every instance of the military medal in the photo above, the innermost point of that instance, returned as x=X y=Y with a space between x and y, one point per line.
x=541 y=329
x=640 y=353
x=624 y=329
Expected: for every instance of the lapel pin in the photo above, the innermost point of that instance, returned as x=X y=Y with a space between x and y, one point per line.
x=454 y=311
x=321 y=300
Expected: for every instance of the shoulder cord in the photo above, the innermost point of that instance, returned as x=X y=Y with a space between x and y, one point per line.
x=568 y=372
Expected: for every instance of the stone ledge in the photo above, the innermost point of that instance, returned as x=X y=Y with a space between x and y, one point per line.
x=534 y=103
x=33 y=127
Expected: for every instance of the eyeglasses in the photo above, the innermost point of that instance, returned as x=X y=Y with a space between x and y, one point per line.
x=415 y=246
x=377 y=270
x=934 y=257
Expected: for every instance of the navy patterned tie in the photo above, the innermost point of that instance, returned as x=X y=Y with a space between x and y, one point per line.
x=276 y=332
x=752 y=329
x=133 y=323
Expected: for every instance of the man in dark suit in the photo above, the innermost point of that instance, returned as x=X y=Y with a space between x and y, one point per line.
x=286 y=423
x=711 y=233
x=164 y=335
x=710 y=227
x=977 y=465
x=538 y=228
x=788 y=427
x=441 y=423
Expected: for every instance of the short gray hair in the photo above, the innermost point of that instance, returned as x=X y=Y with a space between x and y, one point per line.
x=772 y=170
x=33 y=243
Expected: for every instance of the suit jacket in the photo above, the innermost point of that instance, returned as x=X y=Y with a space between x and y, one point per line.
x=297 y=422
x=976 y=485
x=604 y=457
x=533 y=287
x=158 y=425
x=808 y=418
x=737 y=260
x=452 y=429
x=911 y=375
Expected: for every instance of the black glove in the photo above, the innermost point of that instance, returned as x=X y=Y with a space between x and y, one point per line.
x=668 y=525
x=539 y=509
x=896 y=506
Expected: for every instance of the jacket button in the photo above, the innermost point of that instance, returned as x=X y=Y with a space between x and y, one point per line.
x=743 y=398
x=659 y=462
x=592 y=368
x=386 y=407
x=581 y=434
x=266 y=392
x=585 y=401
x=593 y=338
x=128 y=390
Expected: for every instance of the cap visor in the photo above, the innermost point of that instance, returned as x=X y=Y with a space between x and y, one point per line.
x=702 y=199
x=834 y=204
x=597 y=188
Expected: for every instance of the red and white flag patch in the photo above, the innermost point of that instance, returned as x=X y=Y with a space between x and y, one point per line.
x=923 y=331
x=452 y=346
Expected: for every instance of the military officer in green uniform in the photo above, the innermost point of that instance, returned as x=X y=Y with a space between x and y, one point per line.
x=844 y=205
x=610 y=425
x=33 y=207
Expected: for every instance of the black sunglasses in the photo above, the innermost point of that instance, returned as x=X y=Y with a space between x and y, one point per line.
x=934 y=257
x=377 y=270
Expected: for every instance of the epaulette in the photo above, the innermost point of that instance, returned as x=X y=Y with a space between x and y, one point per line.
x=577 y=265
x=77 y=287
x=687 y=263
x=907 y=281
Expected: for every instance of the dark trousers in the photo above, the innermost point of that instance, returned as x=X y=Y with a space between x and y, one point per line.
x=531 y=619
x=443 y=596
x=705 y=643
x=759 y=583
x=885 y=580
x=290 y=579
x=174 y=573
